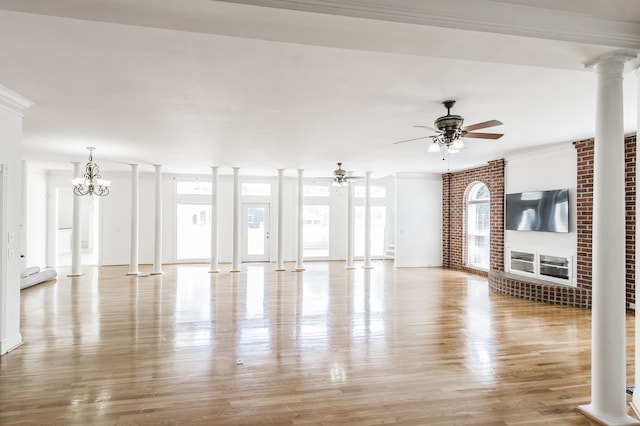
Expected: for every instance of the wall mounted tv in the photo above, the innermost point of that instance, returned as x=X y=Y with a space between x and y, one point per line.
x=544 y=211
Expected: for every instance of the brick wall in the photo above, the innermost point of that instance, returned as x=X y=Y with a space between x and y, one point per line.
x=539 y=291
x=454 y=195
x=584 y=214
x=630 y=217
x=454 y=191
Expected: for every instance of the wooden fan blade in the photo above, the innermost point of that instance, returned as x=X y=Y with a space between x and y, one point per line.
x=429 y=128
x=483 y=125
x=482 y=135
x=414 y=139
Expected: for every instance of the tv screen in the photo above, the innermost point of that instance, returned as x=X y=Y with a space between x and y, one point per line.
x=544 y=211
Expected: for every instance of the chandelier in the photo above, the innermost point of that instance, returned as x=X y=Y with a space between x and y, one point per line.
x=92 y=183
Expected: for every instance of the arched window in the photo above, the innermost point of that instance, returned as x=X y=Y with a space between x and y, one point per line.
x=478 y=226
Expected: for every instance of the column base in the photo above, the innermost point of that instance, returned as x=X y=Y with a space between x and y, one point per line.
x=214 y=271
x=605 y=419
x=156 y=273
x=349 y=267
x=367 y=267
x=75 y=275
x=279 y=269
x=131 y=274
x=298 y=270
x=235 y=270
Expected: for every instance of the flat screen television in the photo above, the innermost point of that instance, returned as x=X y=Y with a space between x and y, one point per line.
x=544 y=211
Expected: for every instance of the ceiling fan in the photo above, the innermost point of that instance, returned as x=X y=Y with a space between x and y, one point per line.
x=340 y=176
x=449 y=132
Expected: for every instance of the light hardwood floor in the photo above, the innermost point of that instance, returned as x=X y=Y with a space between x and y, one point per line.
x=409 y=346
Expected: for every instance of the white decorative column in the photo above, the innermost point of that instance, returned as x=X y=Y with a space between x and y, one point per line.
x=76 y=250
x=213 y=268
x=367 y=221
x=133 y=250
x=608 y=351
x=635 y=402
x=235 y=266
x=300 y=245
x=157 y=246
x=350 y=230
x=280 y=241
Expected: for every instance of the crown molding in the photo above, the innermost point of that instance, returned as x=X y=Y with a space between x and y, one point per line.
x=13 y=102
x=484 y=16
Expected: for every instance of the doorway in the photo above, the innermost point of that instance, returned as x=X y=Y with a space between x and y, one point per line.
x=256 y=237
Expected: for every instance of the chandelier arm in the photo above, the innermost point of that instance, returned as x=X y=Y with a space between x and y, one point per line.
x=91 y=178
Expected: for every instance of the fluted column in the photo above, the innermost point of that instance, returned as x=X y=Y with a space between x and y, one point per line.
x=367 y=221
x=133 y=250
x=213 y=268
x=280 y=240
x=608 y=351
x=235 y=266
x=300 y=245
x=350 y=230
x=157 y=246
x=76 y=250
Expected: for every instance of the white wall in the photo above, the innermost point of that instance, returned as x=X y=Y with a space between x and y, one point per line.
x=338 y=199
x=544 y=169
x=35 y=247
x=418 y=240
x=11 y=109
x=57 y=180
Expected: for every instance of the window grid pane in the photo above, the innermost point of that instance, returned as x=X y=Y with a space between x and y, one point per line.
x=315 y=233
x=193 y=231
x=478 y=227
x=256 y=189
x=377 y=191
x=193 y=188
x=315 y=190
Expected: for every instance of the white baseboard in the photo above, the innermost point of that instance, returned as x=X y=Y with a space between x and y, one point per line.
x=9 y=344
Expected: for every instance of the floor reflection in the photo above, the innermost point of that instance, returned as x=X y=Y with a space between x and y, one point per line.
x=479 y=336
x=327 y=345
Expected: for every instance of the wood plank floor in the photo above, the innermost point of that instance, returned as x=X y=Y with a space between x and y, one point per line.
x=409 y=346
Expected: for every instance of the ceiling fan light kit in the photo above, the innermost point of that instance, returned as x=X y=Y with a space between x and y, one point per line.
x=340 y=176
x=449 y=132
x=434 y=146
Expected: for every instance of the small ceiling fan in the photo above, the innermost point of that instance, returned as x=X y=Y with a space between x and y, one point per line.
x=340 y=176
x=449 y=132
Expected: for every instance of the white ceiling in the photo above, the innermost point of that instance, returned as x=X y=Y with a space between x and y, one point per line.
x=305 y=83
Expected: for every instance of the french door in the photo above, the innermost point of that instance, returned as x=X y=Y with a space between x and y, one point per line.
x=255 y=219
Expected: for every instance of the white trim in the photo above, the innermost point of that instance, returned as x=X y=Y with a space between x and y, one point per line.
x=7 y=345
x=13 y=102
x=485 y=16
